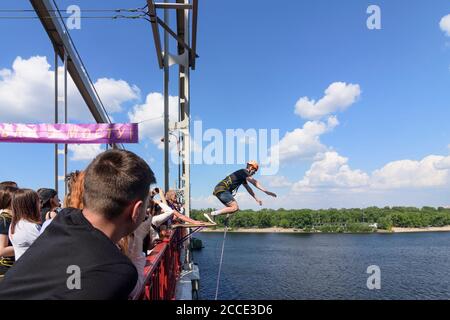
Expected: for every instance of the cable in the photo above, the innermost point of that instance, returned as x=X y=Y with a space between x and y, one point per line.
x=68 y=17
x=83 y=10
x=151 y=119
x=221 y=259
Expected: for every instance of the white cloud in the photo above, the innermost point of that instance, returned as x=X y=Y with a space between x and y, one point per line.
x=411 y=174
x=114 y=93
x=304 y=143
x=151 y=115
x=204 y=202
x=84 y=152
x=27 y=93
x=338 y=97
x=276 y=181
x=443 y=164
x=331 y=170
x=444 y=24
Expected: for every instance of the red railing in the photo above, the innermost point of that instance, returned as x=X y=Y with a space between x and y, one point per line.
x=162 y=269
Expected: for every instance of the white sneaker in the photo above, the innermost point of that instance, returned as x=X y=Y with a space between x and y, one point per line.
x=209 y=217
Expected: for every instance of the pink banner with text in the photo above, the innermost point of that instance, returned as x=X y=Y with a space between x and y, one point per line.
x=69 y=133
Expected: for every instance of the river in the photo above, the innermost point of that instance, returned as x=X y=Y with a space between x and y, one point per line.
x=325 y=266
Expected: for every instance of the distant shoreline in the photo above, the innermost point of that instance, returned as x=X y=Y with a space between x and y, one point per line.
x=291 y=230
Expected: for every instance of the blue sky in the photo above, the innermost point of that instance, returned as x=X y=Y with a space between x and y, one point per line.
x=256 y=61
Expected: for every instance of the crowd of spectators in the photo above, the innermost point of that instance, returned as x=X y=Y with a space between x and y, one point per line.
x=95 y=244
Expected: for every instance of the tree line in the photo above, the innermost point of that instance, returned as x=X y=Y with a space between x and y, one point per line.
x=337 y=220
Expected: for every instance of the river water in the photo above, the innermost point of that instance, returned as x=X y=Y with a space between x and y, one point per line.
x=325 y=266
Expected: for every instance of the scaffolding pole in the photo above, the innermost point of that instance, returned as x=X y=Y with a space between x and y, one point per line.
x=65 y=120
x=166 y=103
x=56 y=119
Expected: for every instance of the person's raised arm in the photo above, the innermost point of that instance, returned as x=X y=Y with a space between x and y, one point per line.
x=250 y=191
x=5 y=249
x=260 y=187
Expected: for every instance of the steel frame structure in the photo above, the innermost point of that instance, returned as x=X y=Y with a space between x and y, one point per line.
x=186 y=40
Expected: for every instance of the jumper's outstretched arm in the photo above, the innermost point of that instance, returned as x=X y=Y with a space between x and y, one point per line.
x=250 y=191
x=260 y=187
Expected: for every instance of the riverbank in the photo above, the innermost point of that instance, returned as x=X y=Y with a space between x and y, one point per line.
x=290 y=230
x=257 y=230
x=429 y=229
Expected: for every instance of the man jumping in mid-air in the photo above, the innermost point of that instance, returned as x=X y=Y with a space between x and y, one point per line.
x=227 y=188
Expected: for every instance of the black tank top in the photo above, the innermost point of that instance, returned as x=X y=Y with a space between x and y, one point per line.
x=232 y=182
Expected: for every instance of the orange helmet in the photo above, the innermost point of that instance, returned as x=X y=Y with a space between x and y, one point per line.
x=253 y=164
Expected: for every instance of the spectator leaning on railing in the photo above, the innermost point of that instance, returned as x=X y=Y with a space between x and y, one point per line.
x=77 y=257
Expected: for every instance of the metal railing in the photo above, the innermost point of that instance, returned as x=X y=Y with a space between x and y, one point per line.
x=162 y=269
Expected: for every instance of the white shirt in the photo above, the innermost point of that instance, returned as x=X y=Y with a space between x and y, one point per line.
x=45 y=225
x=24 y=235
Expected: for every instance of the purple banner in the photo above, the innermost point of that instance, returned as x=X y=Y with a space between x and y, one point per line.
x=69 y=133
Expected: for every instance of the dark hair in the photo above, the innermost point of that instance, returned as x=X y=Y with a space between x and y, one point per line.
x=113 y=180
x=8 y=184
x=45 y=195
x=6 y=195
x=25 y=206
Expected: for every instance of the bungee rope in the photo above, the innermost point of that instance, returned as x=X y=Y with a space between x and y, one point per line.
x=221 y=258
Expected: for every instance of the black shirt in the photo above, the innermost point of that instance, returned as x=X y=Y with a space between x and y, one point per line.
x=233 y=181
x=70 y=240
x=44 y=212
x=5 y=222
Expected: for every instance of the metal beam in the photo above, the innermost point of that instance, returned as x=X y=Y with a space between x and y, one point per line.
x=155 y=30
x=56 y=119
x=177 y=6
x=194 y=33
x=166 y=104
x=173 y=34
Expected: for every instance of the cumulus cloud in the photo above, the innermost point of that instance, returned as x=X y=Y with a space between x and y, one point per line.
x=149 y=115
x=27 y=93
x=304 y=143
x=331 y=170
x=84 y=152
x=428 y=172
x=338 y=97
x=204 y=202
x=444 y=24
x=276 y=181
x=114 y=93
x=443 y=164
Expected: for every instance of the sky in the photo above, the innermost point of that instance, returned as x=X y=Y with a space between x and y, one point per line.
x=362 y=113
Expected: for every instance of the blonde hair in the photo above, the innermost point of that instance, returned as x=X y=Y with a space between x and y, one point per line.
x=74 y=198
